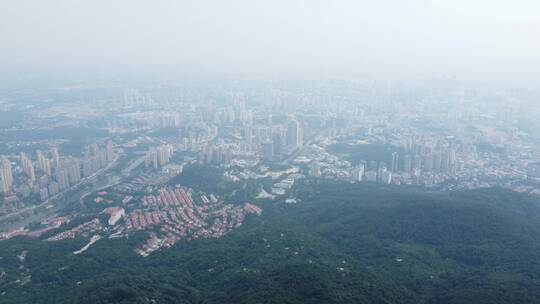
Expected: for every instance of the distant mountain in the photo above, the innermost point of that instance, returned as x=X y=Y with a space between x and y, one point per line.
x=341 y=243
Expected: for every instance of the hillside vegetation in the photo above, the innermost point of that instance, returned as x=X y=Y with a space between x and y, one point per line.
x=341 y=243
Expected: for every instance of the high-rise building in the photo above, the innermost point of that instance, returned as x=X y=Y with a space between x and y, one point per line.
x=44 y=194
x=277 y=144
x=62 y=178
x=315 y=169
x=87 y=167
x=6 y=175
x=55 y=157
x=452 y=160
x=47 y=166
x=110 y=152
x=533 y=170
x=300 y=136
x=445 y=161
x=43 y=181
x=133 y=98
x=95 y=163
x=428 y=163
x=209 y=155
x=371 y=176
x=164 y=154
x=407 y=163
x=294 y=135
x=227 y=156
x=24 y=160
x=53 y=188
x=74 y=172
x=268 y=150
x=28 y=167
x=248 y=134
x=31 y=172
x=357 y=173
x=94 y=149
x=151 y=159
x=41 y=160
x=39 y=157
x=417 y=162
x=382 y=173
x=395 y=162
x=102 y=158
x=159 y=156
x=437 y=161
x=386 y=177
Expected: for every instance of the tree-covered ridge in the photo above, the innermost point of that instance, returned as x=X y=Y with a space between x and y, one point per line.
x=341 y=243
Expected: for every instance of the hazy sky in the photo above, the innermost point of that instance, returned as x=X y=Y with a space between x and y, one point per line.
x=470 y=39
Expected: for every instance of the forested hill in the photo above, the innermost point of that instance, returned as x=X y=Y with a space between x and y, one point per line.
x=341 y=243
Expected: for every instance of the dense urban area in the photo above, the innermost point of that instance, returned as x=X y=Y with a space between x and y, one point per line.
x=153 y=167
x=464 y=140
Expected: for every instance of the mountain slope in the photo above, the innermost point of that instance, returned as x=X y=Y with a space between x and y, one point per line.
x=342 y=243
